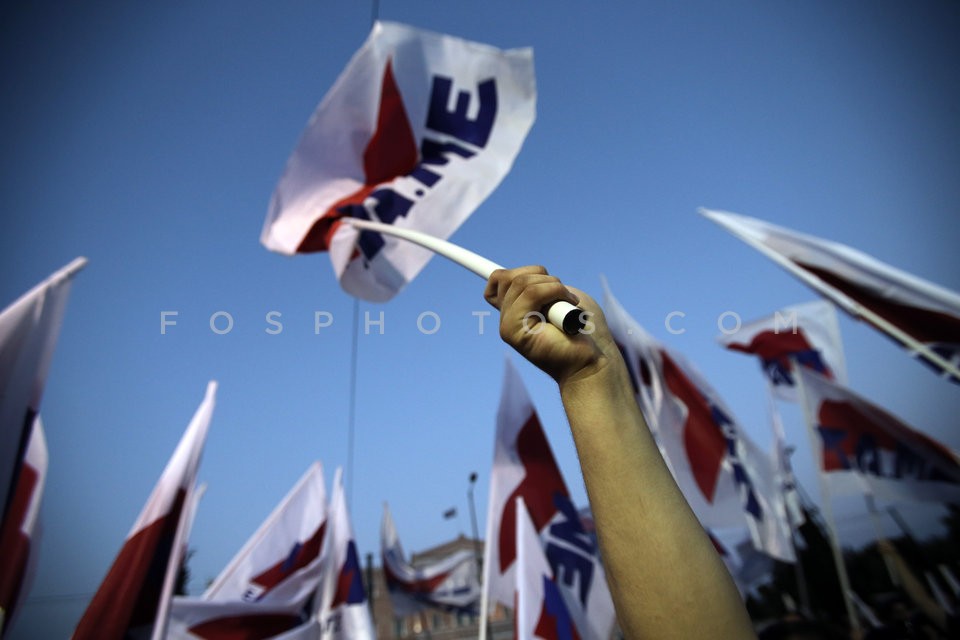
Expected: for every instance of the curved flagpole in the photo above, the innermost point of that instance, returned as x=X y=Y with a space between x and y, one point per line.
x=563 y=315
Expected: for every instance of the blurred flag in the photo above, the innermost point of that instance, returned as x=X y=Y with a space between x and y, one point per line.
x=748 y=567
x=524 y=467
x=449 y=583
x=269 y=589
x=806 y=333
x=29 y=329
x=199 y=619
x=20 y=525
x=282 y=560
x=922 y=316
x=725 y=477
x=540 y=609
x=133 y=597
x=417 y=131
x=344 y=607
x=863 y=448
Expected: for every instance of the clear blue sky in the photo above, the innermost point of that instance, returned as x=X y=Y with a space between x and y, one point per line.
x=149 y=136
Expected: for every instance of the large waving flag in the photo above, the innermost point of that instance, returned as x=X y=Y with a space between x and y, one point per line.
x=29 y=329
x=808 y=334
x=449 y=583
x=134 y=595
x=524 y=467
x=199 y=619
x=282 y=559
x=863 y=448
x=725 y=477
x=417 y=131
x=922 y=316
x=540 y=609
x=344 y=607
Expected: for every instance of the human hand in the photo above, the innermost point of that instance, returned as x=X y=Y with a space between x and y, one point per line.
x=522 y=295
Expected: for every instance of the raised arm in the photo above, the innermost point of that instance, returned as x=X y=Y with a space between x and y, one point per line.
x=666 y=578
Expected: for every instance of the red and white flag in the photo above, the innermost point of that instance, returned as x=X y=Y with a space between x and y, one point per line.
x=540 y=609
x=18 y=533
x=725 y=477
x=808 y=334
x=269 y=589
x=416 y=132
x=449 y=583
x=282 y=559
x=922 y=316
x=29 y=329
x=135 y=594
x=344 y=607
x=524 y=467
x=862 y=448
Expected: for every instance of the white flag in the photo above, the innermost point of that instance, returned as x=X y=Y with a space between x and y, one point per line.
x=919 y=314
x=524 y=466
x=725 y=477
x=137 y=589
x=808 y=334
x=449 y=583
x=199 y=619
x=282 y=560
x=29 y=329
x=417 y=131
x=863 y=448
x=344 y=607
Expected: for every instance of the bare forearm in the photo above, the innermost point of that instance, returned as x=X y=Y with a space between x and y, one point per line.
x=666 y=578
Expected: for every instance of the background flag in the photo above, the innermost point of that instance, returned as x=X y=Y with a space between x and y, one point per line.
x=725 y=477
x=862 y=447
x=417 y=131
x=344 y=607
x=806 y=333
x=922 y=316
x=540 y=609
x=450 y=583
x=281 y=562
x=140 y=582
x=29 y=329
x=524 y=466
x=17 y=535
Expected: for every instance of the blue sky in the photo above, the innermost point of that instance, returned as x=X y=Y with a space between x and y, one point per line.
x=149 y=137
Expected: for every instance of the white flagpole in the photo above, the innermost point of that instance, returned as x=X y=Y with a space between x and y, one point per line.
x=561 y=314
x=826 y=506
x=849 y=305
x=785 y=468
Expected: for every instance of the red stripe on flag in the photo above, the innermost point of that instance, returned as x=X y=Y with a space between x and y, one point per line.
x=130 y=594
x=541 y=481
x=299 y=558
x=14 y=544
x=249 y=627
x=390 y=153
x=703 y=439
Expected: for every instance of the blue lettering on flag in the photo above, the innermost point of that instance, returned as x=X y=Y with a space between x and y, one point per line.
x=391 y=205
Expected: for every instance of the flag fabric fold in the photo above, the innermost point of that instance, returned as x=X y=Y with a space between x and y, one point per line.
x=416 y=132
x=281 y=562
x=725 y=477
x=864 y=448
x=922 y=316
x=524 y=467
x=137 y=588
x=807 y=334
x=344 y=606
x=540 y=609
x=270 y=588
x=449 y=583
